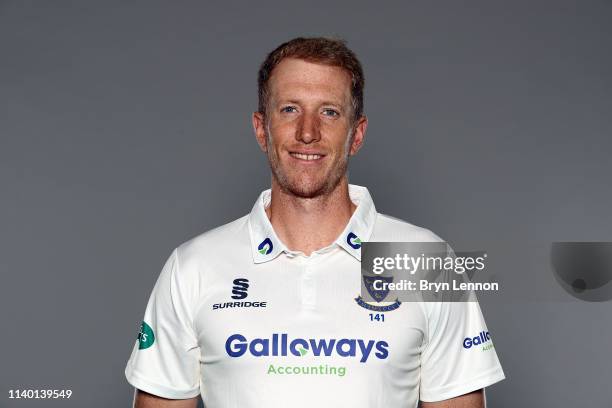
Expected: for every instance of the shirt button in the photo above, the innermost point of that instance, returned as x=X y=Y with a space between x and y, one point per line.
x=308 y=288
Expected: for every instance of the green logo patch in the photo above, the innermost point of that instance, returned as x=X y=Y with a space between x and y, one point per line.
x=146 y=338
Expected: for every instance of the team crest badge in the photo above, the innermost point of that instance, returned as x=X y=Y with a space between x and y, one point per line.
x=378 y=295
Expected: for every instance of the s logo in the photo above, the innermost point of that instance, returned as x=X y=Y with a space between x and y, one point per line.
x=239 y=291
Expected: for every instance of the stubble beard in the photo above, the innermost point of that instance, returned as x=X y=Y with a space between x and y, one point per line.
x=293 y=185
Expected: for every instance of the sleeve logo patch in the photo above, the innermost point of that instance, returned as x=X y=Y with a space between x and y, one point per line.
x=146 y=338
x=483 y=337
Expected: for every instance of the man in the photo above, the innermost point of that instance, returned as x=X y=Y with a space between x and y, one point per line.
x=262 y=312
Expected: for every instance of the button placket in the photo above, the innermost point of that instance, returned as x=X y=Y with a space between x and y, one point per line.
x=308 y=286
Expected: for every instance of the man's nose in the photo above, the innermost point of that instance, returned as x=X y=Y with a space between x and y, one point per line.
x=308 y=130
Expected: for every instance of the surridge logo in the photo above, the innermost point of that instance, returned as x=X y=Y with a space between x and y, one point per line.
x=353 y=240
x=281 y=345
x=239 y=292
x=265 y=247
x=146 y=338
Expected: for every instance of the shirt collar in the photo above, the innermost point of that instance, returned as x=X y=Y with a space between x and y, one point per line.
x=265 y=244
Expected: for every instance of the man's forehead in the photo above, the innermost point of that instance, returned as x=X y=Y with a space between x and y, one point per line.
x=294 y=77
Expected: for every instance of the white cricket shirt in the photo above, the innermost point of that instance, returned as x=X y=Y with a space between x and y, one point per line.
x=238 y=318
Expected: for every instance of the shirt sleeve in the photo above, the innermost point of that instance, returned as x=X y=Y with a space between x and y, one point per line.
x=459 y=356
x=165 y=357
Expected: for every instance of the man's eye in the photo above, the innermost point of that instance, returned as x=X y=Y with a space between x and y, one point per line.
x=331 y=112
x=288 y=109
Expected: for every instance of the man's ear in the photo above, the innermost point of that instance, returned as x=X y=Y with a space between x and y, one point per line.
x=259 y=126
x=358 y=134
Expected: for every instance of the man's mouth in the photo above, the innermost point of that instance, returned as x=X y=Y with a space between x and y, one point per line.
x=307 y=157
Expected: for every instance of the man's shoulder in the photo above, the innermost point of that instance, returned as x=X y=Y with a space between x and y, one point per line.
x=223 y=240
x=392 y=229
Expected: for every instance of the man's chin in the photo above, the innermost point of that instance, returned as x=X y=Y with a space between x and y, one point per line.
x=310 y=188
x=305 y=189
x=308 y=185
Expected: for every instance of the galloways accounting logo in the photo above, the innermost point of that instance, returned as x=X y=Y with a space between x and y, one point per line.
x=482 y=338
x=353 y=240
x=265 y=247
x=282 y=345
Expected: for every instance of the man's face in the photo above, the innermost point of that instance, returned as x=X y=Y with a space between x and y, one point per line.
x=309 y=133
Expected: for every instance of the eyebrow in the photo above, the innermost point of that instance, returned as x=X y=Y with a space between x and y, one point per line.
x=336 y=104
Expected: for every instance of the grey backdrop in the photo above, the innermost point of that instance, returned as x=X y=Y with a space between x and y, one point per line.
x=125 y=130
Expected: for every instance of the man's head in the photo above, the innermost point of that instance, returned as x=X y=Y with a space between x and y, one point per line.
x=310 y=117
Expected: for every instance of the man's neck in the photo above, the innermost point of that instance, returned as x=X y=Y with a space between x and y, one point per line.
x=309 y=224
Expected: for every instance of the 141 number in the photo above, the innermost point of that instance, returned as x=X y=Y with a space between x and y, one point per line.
x=377 y=317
